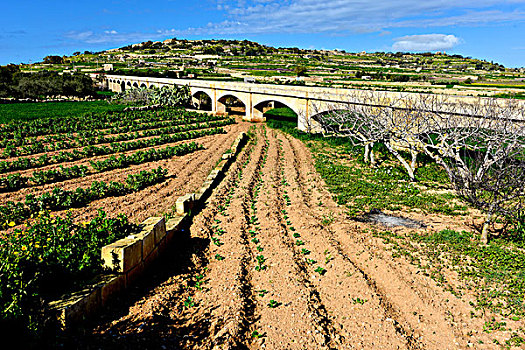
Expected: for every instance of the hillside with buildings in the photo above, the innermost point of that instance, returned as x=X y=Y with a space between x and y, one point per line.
x=252 y=62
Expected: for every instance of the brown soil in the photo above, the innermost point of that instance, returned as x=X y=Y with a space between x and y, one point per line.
x=194 y=299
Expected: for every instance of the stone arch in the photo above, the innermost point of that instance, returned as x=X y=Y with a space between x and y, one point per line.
x=143 y=85
x=122 y=86
x=135 y=85
x=202 y=100
x=312 y=123
x=262 y=107
x=231 y=104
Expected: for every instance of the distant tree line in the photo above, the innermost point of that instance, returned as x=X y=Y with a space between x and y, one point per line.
x=14 y=83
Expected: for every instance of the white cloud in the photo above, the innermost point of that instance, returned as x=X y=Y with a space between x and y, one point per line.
x=333 y=17
x=345 y=16
x=426 y=42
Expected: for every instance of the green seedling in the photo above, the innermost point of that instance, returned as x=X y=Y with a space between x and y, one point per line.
x=219 y=257
x=305 y=251
x=299 y=242
x=263 y=292
x=259 y=248
x=359 y=301
x=260 y=261
x=311 y=261
x=189 y=303
x=257 y=335
x=296 y=235
x=320 y=270
x=273 y=304
x=255 y=240
x=199 y=282
x=217 y=241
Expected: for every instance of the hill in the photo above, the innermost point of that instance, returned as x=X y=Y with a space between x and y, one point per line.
x=251 y=61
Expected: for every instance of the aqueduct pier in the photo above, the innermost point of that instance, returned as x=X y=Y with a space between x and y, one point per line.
x=256 y=99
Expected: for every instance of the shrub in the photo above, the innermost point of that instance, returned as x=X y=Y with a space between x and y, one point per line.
x=48 y=257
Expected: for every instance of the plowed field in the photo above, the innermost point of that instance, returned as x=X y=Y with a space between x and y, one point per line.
x=272 y=262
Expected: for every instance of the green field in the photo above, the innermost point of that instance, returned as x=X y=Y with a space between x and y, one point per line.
x=30 y=111
x=284 y=113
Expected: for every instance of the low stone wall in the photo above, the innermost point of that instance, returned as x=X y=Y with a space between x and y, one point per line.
x=129 y=258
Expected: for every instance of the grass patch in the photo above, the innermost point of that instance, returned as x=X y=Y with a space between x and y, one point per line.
x=495 y=272
x=31 y=111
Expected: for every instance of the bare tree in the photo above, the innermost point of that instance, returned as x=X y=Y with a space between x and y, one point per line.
x=479 y=142
x=378 y=117
x=481 y=145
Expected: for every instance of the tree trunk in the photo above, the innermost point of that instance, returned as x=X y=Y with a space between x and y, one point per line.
x=367 y=153
x=414 y=159
x=409 y=169
x=485 y=229
x=372 y=158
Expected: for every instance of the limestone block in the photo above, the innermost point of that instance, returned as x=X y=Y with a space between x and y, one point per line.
x=173 y=226
x=184 y=203
x=159 y=228
x=147 y=235
x=163 y=245
x=112 y=285
x=148 y=260
x=123 y=255
x=134 y=274
x=77 y=307
x=226 y=156
x=213 y=176
x=202 y=192
x=221 y=166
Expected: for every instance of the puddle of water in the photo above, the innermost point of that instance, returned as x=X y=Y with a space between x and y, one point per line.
x=378 y=217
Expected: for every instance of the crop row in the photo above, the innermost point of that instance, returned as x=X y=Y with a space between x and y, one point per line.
x=91 y=151
x=299 y=242
x=14 y=182
x=13 y=213
x=130 y=133
x=98 y=131
x=93 y=121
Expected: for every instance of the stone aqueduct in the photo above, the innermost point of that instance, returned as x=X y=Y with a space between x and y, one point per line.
x=306 y=102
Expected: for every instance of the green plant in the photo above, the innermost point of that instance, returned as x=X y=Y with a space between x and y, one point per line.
x=260 y=263
x=359 y=301
x=258 y=335
x=263 y=292
x=49 y=256
x=273 y=304
x=189 y=303
x=320 y=270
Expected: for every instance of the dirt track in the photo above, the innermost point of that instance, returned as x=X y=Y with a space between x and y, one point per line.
x=215 y=292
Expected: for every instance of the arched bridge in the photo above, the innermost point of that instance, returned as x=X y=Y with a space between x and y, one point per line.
x=255 y=99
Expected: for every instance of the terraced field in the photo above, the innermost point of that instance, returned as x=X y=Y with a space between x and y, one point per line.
x=272 y=262
x=71 y=163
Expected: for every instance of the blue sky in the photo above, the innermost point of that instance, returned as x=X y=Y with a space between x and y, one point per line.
x=488 y=29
